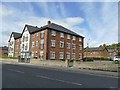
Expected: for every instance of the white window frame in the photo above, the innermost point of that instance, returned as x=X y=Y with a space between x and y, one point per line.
x=80 y=39
x=67 y=56
x=73 y=37
x=52 y=43
x=62 y=43
x=73 y=46
x=72 y=55
x=36 y=43
x=33 y=44
x=61 y=55
x=68 y=36
x=53 y=33
x=68 y=45
x=62 y=35
x=52 y=55
x=42 y=34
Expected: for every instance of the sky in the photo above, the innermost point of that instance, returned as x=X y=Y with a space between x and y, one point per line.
x=96 y=21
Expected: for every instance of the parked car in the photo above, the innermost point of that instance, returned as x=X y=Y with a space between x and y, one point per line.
x=116 y=58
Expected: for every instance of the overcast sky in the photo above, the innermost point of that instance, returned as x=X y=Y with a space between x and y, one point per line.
x=96 y=21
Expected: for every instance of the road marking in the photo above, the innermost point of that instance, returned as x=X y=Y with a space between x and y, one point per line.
x=59 y=80
x=16 y=71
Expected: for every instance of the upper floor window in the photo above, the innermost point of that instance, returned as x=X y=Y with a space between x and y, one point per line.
x=62 y=35
x=52 y=55
x=80 y=46
x=36 y=43
x=32 y=44
x=68 y=36
x=80 y=39
x=26 y=46
x=42 y=34
x=80 y=56
x=73 y=46
x=68 y=45
x=36 y=34
x=61 y=44
x=53 y=33
x=42 y=44
x=61 y=55
x=73 y=37
x=53 y=43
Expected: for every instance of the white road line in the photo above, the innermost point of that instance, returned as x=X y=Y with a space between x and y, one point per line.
x=15 y=70
x=59 y=80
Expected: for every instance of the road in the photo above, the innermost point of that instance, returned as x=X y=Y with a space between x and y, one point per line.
x=21 y=76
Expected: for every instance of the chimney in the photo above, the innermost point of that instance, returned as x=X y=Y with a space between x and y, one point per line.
x=49 y=22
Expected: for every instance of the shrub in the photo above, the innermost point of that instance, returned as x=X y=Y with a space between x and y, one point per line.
x=87 y=59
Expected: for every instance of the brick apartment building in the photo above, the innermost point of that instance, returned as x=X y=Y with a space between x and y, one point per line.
x=14 y=44
x=4 y=51
x=96 y=52
x=49 y=42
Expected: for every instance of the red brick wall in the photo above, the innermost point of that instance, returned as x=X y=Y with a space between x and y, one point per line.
x=3 y=52
x=17 y=48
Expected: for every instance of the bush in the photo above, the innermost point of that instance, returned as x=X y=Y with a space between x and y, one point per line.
x=116 y=62
x=88 y=59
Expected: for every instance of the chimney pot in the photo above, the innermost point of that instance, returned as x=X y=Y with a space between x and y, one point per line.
x=49 y=22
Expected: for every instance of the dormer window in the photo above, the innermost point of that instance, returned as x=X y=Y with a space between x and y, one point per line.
x=53 y=33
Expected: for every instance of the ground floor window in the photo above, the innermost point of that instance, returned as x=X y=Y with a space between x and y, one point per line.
x=61 y=55
x=73 y=55
x=68 y=55
x=52 y=55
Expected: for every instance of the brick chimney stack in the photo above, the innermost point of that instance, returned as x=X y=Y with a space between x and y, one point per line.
x=49 y=22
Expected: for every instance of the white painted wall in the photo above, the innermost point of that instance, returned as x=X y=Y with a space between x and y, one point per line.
x=11 y=52
x=25 y=33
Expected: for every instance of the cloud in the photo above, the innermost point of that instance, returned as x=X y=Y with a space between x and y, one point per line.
x=102 y=23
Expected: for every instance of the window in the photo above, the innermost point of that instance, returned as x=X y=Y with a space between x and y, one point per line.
x=26 y=47
x=68 y=45
x=36 y=34
x=73 y=37
x=32 y=44
x=26 y=37
x=53 y=33
x=36 y=43
x=22 y=46
x=52 y=55
x=80 y=56
x=61 y=44
x=73 y=46
x=68 y=55
x=53 y=43
x=73 y=55
x=62 y=35
x=68 y=36
x=42 y=44
x=42 y=34
x=61 y=55
x=32 y=54
x=80 y=47
x=80 y=39
x=23 y=38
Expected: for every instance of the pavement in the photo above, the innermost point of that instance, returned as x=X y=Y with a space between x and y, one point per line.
x=34 y=76
x=71 y=69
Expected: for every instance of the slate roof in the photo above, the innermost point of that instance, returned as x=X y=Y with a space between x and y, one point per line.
x=4 y=48
x=16 y=35
x=53 y=26
x=94 y=49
